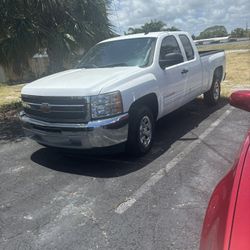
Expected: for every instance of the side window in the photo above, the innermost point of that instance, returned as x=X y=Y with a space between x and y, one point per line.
x=187 y=47
x=170 y=53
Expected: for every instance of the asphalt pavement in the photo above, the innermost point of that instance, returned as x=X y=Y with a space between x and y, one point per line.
x=95 y=200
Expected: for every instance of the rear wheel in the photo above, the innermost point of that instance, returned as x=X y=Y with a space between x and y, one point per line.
x=141 y=130
x=212 y=96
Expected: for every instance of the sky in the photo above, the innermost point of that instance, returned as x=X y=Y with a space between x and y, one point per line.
x=188 y=15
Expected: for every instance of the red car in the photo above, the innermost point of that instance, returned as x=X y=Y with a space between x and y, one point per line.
x=227 y=221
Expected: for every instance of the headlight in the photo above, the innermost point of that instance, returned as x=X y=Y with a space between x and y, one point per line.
x=106 y=105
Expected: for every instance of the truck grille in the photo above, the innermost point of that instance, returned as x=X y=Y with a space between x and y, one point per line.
x=57 y=109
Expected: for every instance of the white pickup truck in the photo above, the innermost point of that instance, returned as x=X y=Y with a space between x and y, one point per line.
x=121 y=87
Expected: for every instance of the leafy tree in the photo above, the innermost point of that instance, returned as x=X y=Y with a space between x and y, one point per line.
x=173 y=28
x=214 y=31
x=240 y=32
x=152 y=26
x=61 y=26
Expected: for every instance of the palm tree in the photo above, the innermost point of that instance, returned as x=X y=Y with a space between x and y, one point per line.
x=152 y=26
x=18 y=40
x=60 y=26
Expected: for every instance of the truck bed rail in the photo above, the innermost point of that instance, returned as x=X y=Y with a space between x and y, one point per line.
x=209 y=52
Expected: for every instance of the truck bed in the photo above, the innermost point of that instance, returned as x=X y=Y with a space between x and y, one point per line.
x=209 y=52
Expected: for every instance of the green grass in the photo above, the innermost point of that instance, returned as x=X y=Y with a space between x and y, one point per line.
x=9 y=98
x=9 y=93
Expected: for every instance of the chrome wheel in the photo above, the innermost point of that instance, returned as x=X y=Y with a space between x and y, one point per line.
x=145 y=131
x=216 y=92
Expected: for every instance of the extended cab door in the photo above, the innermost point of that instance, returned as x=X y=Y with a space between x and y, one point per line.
x=193 y=65
x=172 y=76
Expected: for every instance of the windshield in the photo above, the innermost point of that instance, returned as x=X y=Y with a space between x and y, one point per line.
x=128 y=52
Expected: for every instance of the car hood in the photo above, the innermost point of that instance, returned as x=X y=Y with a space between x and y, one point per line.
x=79 y=82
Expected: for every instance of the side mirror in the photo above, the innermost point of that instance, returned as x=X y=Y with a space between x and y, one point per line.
x=240 y=99
x=171 y=59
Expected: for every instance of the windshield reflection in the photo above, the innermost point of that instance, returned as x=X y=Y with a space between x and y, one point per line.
x=121 y=53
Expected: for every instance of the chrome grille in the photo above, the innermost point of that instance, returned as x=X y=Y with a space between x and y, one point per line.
x=57 y=109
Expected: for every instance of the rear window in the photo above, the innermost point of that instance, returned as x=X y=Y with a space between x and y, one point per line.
x=187 y=47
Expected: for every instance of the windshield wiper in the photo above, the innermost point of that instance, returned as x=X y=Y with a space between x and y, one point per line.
x=88 y=66
x=114 y=65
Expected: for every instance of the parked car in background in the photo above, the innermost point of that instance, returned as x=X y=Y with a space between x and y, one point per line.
x=227 y=221
x=120 y=89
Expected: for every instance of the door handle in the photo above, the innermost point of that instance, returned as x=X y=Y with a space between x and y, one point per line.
x=184 y=71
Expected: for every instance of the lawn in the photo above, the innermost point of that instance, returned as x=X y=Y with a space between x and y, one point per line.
x=9 y=93
x=9 y=98
x=238 y=72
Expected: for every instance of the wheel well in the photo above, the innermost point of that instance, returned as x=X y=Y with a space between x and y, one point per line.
x=218 y=73
x=150 y=100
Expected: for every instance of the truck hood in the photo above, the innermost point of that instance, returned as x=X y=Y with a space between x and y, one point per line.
x=79 y=82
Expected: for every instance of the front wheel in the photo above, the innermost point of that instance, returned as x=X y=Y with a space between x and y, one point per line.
x=212 y=96
x=141 y=130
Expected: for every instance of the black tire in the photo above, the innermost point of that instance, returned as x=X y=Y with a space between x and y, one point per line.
x=212 y=96
x=141 y=130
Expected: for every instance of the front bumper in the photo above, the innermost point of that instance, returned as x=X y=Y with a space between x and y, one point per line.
x=94 y=134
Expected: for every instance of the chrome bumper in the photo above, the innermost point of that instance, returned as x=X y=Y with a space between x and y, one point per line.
x=94 y=134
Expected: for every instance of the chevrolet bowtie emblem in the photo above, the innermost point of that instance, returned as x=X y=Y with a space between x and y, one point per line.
x=45 y=108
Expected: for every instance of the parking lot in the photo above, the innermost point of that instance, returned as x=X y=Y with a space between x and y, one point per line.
x=94 y=200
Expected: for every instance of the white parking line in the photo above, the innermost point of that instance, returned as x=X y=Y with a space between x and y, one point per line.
x=162 y=172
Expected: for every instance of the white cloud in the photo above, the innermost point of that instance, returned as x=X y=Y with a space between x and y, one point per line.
x=189 y=15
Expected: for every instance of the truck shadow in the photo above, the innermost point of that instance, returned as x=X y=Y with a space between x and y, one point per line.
x=101 y=164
